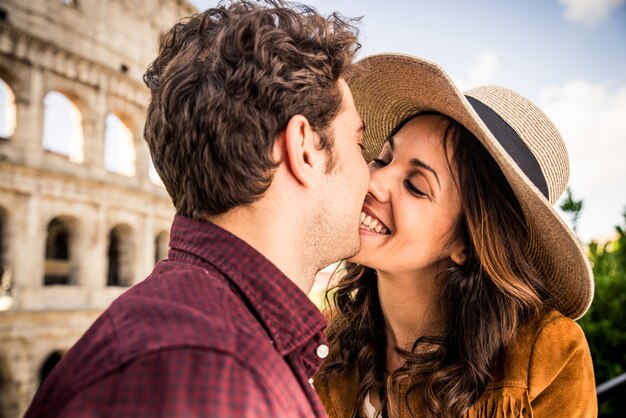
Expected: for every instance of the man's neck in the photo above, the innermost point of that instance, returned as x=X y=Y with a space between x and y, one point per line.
x=273 y=236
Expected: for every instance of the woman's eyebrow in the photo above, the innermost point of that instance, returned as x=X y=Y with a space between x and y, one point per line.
x=421 y=164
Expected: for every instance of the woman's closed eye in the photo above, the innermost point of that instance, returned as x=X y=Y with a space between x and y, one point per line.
x=414 y=190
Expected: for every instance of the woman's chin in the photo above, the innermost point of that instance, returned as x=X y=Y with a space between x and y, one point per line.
x=361 y=258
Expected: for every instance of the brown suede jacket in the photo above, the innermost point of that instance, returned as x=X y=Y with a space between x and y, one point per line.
x=546 y=373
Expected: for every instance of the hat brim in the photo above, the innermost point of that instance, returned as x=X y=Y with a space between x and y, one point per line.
x=388 y=88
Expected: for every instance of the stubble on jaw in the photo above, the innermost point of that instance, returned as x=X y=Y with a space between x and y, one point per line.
x=329 y=240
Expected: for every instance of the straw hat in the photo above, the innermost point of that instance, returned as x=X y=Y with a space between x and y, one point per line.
x=520 y=137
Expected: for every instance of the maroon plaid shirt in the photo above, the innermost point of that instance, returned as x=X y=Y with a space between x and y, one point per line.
x=215 y=331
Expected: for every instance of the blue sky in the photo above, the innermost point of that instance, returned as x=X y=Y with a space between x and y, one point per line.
x=568 y=56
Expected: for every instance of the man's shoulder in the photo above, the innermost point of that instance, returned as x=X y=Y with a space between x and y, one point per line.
x=180 y=312
x=178 y=305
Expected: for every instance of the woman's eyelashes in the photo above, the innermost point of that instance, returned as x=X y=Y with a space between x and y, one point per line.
x=413 y=190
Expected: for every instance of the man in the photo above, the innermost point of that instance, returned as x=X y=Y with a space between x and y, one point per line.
x=254 y=133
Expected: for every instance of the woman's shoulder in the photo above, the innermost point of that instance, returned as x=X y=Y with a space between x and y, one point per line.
x=542 y=339
x=545 y=340
x=540 y=345
x=551 y=357
x=559 y=356
x=551 y=331
x=555 y=320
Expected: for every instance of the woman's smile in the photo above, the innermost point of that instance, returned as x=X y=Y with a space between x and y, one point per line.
x=371 y=224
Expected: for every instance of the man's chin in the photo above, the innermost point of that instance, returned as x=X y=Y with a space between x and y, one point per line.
x=350 y=253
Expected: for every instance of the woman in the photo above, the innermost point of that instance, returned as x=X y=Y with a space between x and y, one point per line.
x=462 y=299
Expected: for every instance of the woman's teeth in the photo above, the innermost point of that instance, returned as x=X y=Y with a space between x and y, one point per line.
x=372 y=224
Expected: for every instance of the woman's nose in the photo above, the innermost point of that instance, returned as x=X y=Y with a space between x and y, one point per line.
x=379 y=184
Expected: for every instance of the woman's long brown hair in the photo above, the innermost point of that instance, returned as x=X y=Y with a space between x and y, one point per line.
x=482 y=302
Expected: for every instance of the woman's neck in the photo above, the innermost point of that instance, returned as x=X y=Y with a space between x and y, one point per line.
x=409 y=310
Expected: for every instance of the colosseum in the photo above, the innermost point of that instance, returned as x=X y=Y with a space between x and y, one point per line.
x=82 y=212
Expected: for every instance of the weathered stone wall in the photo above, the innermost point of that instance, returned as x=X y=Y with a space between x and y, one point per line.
x=28 y=339
x=94 y=52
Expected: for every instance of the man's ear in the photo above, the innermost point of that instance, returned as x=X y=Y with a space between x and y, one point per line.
x=300 y=153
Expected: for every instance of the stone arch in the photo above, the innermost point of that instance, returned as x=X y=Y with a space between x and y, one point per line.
x=60 y=251
x=161 y=246
x=48 y=364
x=63 y=125
x=121 y=256
x=8 y=110
x=120 y=153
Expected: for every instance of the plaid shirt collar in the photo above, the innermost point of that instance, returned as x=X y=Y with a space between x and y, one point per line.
x=287 y=314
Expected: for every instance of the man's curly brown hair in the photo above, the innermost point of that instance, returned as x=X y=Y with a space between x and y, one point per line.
x=225 y=84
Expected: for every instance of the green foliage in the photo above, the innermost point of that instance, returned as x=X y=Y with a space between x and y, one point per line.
x=570 y=205
x=605 y=323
